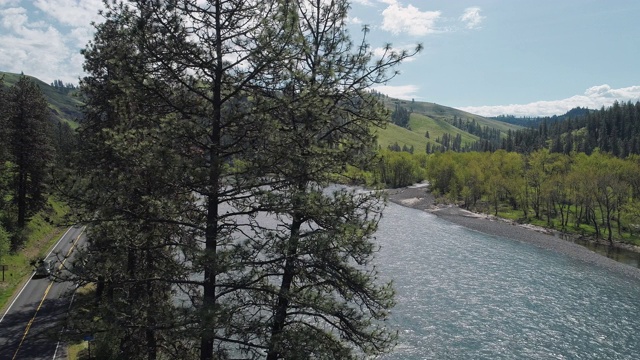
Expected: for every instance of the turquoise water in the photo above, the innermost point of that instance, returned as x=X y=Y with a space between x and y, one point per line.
x=465 y=295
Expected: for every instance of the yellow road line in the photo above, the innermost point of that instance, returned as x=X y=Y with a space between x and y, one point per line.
x=46 y=292
x=26 y=331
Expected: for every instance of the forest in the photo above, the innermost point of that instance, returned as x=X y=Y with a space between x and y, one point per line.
x=614 y=130
x=592 y=195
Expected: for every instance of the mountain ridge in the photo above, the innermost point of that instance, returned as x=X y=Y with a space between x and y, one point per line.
x=440 y=122
x=426 y=118
x=65 y=107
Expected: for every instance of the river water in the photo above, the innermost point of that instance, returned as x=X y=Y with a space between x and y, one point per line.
x=462 y=294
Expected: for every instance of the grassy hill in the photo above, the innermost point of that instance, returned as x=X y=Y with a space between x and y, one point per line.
x=437 y=120
x=445 y=113
x=415 y=135
x=64 y=107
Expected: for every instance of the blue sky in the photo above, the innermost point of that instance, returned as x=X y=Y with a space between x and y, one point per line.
x=488 y=57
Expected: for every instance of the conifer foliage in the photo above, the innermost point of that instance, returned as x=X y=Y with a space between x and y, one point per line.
x=213 y=131
x=30 y=152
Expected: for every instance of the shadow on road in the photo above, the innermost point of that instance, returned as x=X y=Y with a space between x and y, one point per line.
x=43 y=334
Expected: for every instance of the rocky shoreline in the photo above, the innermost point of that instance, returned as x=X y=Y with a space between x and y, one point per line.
x=418 y=197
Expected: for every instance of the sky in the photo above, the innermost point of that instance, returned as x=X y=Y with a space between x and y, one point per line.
x=488 y=57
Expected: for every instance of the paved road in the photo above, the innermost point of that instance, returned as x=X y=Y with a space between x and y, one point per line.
x=28 y=329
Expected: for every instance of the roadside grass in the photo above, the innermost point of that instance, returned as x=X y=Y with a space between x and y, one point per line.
x=78 y=351
x=43 y=230
x=77 y=348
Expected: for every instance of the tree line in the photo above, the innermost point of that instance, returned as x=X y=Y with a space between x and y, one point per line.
x=395 y=169
x=212 y=134
x=535 y=121
x=400 y=116
x=614 y=130
x=596 y=194
x=62 y=87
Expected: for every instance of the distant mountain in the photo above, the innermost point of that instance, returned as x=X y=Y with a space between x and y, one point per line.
x=448 y=128
x=614 y=130
x=64 y=105
x=536 y=121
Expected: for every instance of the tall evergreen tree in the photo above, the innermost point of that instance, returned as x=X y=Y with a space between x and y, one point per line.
x=4 y=134
x=400 y=116
x=325 y=300
x=129 y=172
x=167 y=110
x=4 y=125
x=202 y=117
x=30 y=148
x=4 y=164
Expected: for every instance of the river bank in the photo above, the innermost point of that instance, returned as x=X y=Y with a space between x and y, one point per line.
x=418 y=197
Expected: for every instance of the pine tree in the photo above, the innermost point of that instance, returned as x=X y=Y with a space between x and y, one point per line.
x=202 y=119
x=128 y=172
x=4 y=151
x=168 y=116
x=4 y=133
x=326 y=300
x=30 y=148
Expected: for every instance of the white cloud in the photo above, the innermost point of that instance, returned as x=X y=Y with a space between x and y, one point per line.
x=354 y=20
x=403 y=92
x=75 y=13
x=4 y=3
x=80 y=36
x=35 y=48
x=594 y=97
x=45 y=42
x=398 y=19
x=13 y=18
x=472 y=18
x=363 y=2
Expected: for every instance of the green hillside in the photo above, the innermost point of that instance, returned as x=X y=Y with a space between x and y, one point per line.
x=64 y=107
x=415 y=136
x=445 y=113
x=435 y=119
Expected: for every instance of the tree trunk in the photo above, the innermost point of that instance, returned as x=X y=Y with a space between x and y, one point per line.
x=211 y=232
x=609 y=228
x=283 y=295
x=22 y=199
x=210 y=267
x=595 y=222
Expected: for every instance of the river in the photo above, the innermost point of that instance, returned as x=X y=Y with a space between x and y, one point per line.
x=465 y=295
